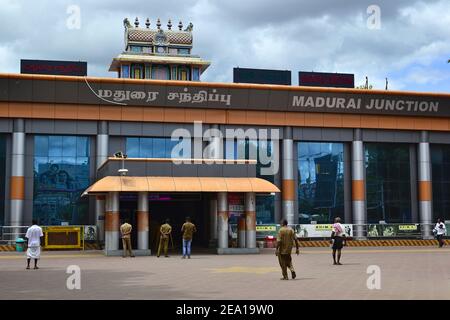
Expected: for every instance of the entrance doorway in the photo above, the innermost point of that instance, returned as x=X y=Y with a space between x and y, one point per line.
x=173 y=206
x=128 y=211
x=176 y=207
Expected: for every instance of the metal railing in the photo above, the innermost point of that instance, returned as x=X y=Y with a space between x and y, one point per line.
x=9 y=234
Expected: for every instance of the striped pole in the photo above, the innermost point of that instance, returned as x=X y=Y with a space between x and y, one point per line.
x=143 y=221
x=112 y=222
x=222 y=219
x=241 y=231
x=288 y=183
x=101 y=156
x=17 y=180
x=358 y=186
x=425 y=191
x=250 y=220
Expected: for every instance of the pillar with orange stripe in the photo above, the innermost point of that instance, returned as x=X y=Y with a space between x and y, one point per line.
x=143 y=221
x=287 y=181
x=250 y=220
x=241 y=231
x=112 y=223
x=358 y=186
x=424 y=177
x=222 y=220
x=17 y=182
x=101 y=155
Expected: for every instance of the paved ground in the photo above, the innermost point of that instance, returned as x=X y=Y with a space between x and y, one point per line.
x=406 y=273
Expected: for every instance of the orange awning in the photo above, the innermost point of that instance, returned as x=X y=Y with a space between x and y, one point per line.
x=180 y=184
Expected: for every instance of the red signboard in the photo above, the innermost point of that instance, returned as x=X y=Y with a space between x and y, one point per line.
x=51 y=67
x=324 y=79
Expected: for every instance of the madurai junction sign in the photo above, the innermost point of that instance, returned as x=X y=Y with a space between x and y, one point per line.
x=105 y=91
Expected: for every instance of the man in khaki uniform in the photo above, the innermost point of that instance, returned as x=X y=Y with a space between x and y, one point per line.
x=166 y=234
x=285 y=241
x=125 y=229
x=188 y=230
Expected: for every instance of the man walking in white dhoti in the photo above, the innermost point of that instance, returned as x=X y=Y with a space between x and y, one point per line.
x=34 y=234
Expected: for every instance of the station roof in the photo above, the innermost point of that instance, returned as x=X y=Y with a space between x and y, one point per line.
x=180 y=184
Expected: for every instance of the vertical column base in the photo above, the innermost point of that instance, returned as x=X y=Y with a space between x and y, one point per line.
x=241 y=232
x=143 y=230
x=223 y=230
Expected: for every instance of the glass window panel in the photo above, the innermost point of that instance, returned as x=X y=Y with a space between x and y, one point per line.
x=440 y=156
x=146 y=148
x=41 y=146
x=69 y=146
x=230 y=149
x=60 y=180
x=240 y=149
x=265 y=209
x=388 y=182
x=69 y=160
x=321 y=191
x=170 y=145
x=132 y=147
x=252 y=150
x=159 y=147
x=40 y=164
x=82 y=146
x=55 y=146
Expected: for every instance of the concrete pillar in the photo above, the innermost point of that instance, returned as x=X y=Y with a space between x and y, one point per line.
x=102 y=143
x=213 y=220
x=250 y=220
x=358 y=186
x=222 y=217
x=143 y=221
x=347 y=184
x=413 y=172
x=100 y=209
x=241 y=231
x=101 y=156
x=425 y=192
x=112 y=222
x=17 y=180
x=287 y=178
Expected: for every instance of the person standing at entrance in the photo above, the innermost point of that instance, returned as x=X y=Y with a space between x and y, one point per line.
x=166 y=235
x=126 y=229
x=188 y=230
x=337 y=240
x=33 y=235
x=440 y=230
x=285 y=241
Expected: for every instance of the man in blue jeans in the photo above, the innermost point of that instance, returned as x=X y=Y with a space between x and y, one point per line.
x=188 y=230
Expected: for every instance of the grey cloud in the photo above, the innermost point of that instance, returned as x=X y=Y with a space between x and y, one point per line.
x=291 y=34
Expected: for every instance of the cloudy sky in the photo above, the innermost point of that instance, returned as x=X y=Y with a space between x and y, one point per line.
x=411 y=46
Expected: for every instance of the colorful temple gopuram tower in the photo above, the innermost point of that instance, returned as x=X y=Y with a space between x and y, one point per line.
x=158 y=54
